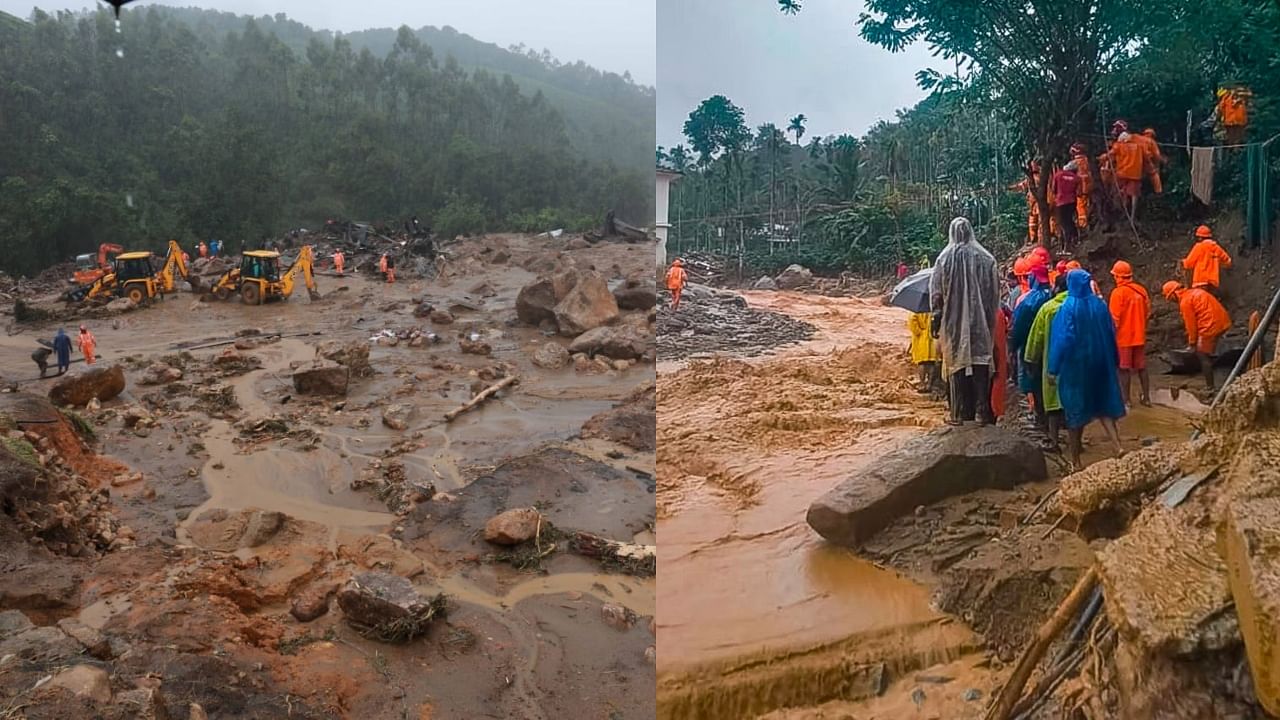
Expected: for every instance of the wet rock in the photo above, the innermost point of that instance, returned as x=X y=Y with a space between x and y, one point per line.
x=103 y=383
x=586 y=307
x=474 y=347
x=711 y=320
x=636 y=295
x=120 y=305
x=632 y=422
x=500 y=257
x=13 y=622
x=313 y=602
x=795 y=276
x=513 y=527
x=551 y=356
x=227 y=531
x=620 y=342
x=386 y=606
x=92 y=640
x=352 y=355
x=85 y=681
x=765 y=283
x=160 y=374
x=195 y=712
x=397 y=416
x=1110 y=479
x=422 y=309
x=441 y=317
x=536 y=302
x=41 y=644
x=143 y=703
x=322 y=379
x=940 y=464
x=617 y=616
x=137 y=416
x=482 y=289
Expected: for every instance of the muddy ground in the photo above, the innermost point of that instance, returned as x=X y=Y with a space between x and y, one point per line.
x=235 y=500
x=920 y=623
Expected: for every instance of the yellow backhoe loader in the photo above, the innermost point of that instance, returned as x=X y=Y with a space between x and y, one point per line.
x=259 y=280
x=133 y=275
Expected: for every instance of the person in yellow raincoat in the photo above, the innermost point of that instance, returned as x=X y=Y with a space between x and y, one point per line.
x=925 y=353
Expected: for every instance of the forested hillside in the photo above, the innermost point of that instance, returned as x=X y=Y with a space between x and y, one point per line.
x=194 y=124
x=1031 y=79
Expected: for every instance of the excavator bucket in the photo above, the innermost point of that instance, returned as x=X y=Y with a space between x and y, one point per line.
x=313 y=294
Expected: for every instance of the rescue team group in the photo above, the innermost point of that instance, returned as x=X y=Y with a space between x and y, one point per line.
x=1072 y=353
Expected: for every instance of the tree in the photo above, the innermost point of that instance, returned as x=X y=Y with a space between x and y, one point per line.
x=715 y=126
x=797 y=126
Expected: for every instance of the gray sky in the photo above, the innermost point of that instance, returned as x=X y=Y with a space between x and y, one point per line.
x=615 y=35
x=775 y=66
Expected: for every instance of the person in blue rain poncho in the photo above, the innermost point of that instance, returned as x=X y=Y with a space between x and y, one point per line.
x=1024 y=315
x=1084 y=358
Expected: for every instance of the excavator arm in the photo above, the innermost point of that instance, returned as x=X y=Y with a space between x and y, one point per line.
x=105 y=249
x=174 y=266
x=302 y=265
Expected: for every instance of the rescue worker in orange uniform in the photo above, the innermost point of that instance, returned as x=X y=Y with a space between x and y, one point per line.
x=1205 y=258
x=676 y=279
x=1154 y=159
x=1086 y=186
x=339 y=260
x=1129 y=163
x=382 y=265
x=1205 y=319
x=1232 y=111
x=1033 y=210
x=1130 y=307
x=87 y=345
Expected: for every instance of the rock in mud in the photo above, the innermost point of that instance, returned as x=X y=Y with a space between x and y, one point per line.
x=41 y=644
x=13 y=622
x=386 y=607
x=587 y=306
x=322 y=379
x=160 y=374
x=397 y=416
x=636 y=295
x=144 y=703
x=617 y=616
x=120 y=305
x=103 y=383
x=795 y=276
x=92 y=640
x=441 y=317
x=1114 y=478
x=620 y=342
x=765 y=283
x=943 y=463
x=86 y=681
x=352 y=355
x=536 y=302
x=474 y=347
x=313 y=602
x=227 y=531
x=631 y=423
x=513 y=527
x=551 y=356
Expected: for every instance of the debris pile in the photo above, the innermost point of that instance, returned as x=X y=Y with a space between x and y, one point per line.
x=716 y=321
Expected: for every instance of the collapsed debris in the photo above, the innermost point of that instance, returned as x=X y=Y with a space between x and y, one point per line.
x=717 y=321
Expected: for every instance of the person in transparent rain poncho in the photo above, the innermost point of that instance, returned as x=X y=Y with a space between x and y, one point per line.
x=964 y=296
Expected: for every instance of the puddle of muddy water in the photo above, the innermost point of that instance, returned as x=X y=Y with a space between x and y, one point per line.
x=636 y=594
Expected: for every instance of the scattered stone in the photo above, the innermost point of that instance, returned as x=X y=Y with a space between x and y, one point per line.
x=617 y=616
x=13 y=622
x=41 y=644
x=396 y=416
x=765 y=283
x=636 y=295
x=387 y=607
x=586 y=307
x=137 y=416
x=500 y=257
x=716 y=321
x=475 y=347
x=631 y=422
x=942 y=463
x=313 y=602
x=352 y=355
x=120 y=305
x=85 y=681
x=159 y=374
x=92 y=640
x=551 y=356
x=144 y=703
x=513 y=526
x=322 y=379
x=195 y=712
x=621 y=342
x=103 y=383
x=795 y=276
x=441 y=317
x=536 y=302
x=228 y=531
x=423 y=309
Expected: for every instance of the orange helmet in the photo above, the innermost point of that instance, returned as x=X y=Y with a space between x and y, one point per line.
x=1204 y=232
x=1122 y=269
x=1170 y=288
x=1021 y=266
x=1073 y=265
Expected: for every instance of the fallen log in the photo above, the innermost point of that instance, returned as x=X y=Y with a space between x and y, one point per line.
x=1045 y=636
x=483 y=395
x=633 y=558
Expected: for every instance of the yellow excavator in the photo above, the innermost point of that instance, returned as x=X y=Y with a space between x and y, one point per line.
x=133 y=275
x=259 y=279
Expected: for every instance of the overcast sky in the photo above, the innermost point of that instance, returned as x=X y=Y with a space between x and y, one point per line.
x=615 y=35
x=775 y=66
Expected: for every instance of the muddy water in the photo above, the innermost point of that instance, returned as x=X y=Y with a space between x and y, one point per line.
x=742 y=573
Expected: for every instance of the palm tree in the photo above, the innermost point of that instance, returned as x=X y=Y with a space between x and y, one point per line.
x=797 y=126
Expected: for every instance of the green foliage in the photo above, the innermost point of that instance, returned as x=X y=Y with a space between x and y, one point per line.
x=21 y=449
x=214 y=125
x=82 y=426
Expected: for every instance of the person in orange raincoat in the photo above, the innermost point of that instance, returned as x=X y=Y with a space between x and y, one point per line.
x=1129 y=163
x=87 y=345
x=1154 y=158
x=338 y=261
x=382 y=265
x=676 y=279
x=1001 y=359
x=1033 y=210
x=1232 y=111
x=391 y=268
x=1130 y=306
x=1205 y=319
x=1205 y=258
x=1086 y=186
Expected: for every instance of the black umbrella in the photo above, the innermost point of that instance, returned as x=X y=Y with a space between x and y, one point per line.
x=913 y=292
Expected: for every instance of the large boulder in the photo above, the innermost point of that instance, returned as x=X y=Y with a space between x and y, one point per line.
x=322 y=378
x=159 y=374
x=102 y=383
x=631 y=422
x=793 y=277
x=386 y=607
x=943 y=463
x=636 y=295
x=536 y=302
x=587 y=306
x=352 y=355
x=86 y=681
x=765 y=283
x=620 y=342
x=551 y=355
